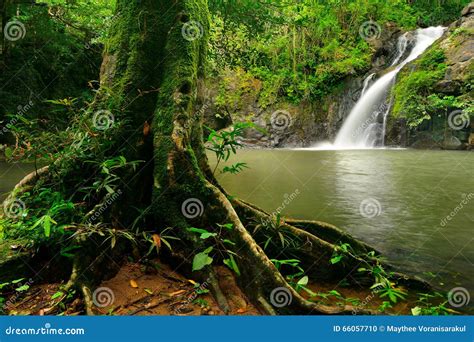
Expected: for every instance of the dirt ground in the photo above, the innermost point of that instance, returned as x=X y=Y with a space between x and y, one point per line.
x=155 y=289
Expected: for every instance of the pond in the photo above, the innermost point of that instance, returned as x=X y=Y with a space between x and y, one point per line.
x=398 y=201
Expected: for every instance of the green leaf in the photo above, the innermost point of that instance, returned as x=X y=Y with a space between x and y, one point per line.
x=303 y=281
x=232 y=264
x=8 y=153
x=336 y=259
x=201 y=260
x=16 y=281
x=109 y=189
x=57 y=295
x=229 y=242
x=228 y=226
x=208 y=250
x=205 y=236
x=416 y=311
x=22 y=288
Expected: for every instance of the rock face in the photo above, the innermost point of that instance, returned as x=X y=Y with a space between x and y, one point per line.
x=304 y=124
x=448 y=79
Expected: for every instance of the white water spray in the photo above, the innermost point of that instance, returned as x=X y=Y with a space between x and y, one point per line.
x=365 y=125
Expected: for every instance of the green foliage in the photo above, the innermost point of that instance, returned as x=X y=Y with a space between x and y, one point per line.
x=303 y=49
x=413 y=87
x=426 y=307
x=389 y=289
x=220 y=245
x=273 y=233
x=202 y=259
x=225 y=143
x=340 y=252
x=62 y=58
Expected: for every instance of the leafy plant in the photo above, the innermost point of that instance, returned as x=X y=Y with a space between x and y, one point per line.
x=274 y=229
x=222 y=247
x=225 y=142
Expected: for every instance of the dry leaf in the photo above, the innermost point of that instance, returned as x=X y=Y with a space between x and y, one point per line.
x=133 y=283
x=148 y=291
x=241 y=310
x=177 y=293
x=192 y=281
x=146 y=129
x=157 y=240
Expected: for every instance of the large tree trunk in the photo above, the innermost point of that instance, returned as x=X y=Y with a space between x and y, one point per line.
x=151 y=74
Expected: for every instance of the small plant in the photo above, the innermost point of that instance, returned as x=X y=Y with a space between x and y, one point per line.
x=390 y=290
x=385 y=306
x=221 y=246
x=426 y=307
x=274 y=229
x=340 y=252
x=225 y=143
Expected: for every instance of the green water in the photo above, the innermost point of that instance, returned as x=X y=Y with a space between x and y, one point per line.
x=412 y=192
x=10 y=174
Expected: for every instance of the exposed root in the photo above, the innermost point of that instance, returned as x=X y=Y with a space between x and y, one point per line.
x=88 y=302
x=26 y=183
x=217 y=292
x=259 y=276
x=31 y=178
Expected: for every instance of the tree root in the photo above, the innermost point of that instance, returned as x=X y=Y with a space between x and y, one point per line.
x=260 y=279
x=217 y=292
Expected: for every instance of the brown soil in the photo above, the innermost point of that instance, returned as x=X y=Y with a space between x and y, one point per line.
x=155 y=289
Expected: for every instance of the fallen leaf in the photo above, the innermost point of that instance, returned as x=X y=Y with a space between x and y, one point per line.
x=133 y=283
x=148 y=291
x=192 y=281
x=146 y=129
x=241 y=310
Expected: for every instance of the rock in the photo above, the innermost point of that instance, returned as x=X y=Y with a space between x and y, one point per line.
x=468 y=10
x=452 y=143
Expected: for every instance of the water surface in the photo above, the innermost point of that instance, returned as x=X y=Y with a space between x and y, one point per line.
x=395 y=200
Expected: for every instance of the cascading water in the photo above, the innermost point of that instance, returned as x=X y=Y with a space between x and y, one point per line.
x=365 y=125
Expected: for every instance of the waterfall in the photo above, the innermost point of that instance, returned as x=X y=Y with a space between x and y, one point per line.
x=366 y=83
x=365 y=125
